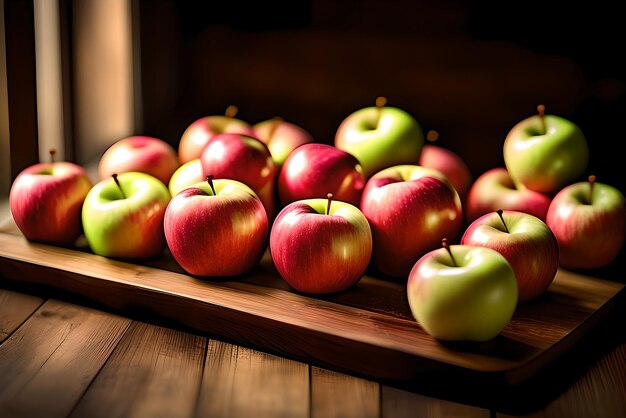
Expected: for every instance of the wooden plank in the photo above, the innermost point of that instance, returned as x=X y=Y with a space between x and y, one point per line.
x=240 y=382
x=340 y=395
x=398 y=403
x=15 y=308
x=47 y=364
x=153 y=372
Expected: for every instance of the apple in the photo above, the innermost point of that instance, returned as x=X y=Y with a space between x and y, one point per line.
x=410 y=209
x=589 y=222
x=139 y=153
x=122 y=216
x=46 y=198
x=449 y=163
x=321 y=246
x=246 y=159
x=198 y=133
x=494 y=189
x=313 y=169
x=186 y=175
x=216 y=228
x=380 y=136
x=281 y=137
x=544 y=153
x=462 y=293
x=527 y=243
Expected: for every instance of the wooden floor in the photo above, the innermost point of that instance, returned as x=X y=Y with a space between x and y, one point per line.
x=63 y=357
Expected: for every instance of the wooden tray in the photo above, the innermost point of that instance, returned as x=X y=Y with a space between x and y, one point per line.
x=366 y=331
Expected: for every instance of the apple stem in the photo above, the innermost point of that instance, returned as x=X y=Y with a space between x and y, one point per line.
x=381 y=101
x=209 y=180
x=329 y=196
x=432 y=136
x=118 y=185
x=592 y=180
x=500 y=212
x=231 y=111
x=52 y=151
x=444 y=244
x=542 y=115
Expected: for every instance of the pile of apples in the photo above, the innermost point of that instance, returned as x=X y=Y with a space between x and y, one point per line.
x=380 y=198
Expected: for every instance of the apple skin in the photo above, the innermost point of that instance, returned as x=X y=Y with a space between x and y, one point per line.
x=590 y=235
x=246 y=159
x=128 y=226
x=529 y=246
x=139 y=153
x=545 y=162
x=45 y=201
x=470 y=301
x=450 y=164
x=221 y=234
x=186 y=175
x=494 y=190
x=281 y=137
x=318 y=253
x=380 y=137
x=313 y=170
x=198 y=133
x=410 y=210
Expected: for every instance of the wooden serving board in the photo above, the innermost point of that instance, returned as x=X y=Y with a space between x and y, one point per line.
x=367 y=330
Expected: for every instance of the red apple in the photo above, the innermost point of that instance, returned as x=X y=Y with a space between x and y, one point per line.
x=589 y=221
x=494 y=189
x=245 y=159
x=525 y=241
x=410 y=209
x=216 y=228
x=144 y=154
x=46 y=200
x=311 y=169
x=319 y=246
x=281 y=137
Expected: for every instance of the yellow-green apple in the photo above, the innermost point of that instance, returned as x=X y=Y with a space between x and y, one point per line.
x=314 y=169
x=186 y=175
x=545 y=153
x=145 y=154
x=246 y=159
x=462 y=293
x=589 y=221
x=198 y=133
x=281 y=137
x=216 y=228
x=122 y=216
x=410 y=209
x=494 y=189
x=46 y=198
x=380 y=136
x=527 y=243
x=321 y=246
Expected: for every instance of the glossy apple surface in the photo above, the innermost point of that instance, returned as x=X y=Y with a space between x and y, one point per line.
x=216 y=231
x=46 y=200
x=313 y=170
x=186 y=175
x=470 y=299
x=145 y=154
x=494 y=190
x=450 y=164
x=589 y=222
x=281 y=137
x=316 y=252
x=126 y=221
x=527 y=243
x=410 y=210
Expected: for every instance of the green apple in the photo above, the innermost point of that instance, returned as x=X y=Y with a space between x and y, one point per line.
x=462 y=293
x=122 y=216
x=380 y=136
x=544 y=153
x=186 y=175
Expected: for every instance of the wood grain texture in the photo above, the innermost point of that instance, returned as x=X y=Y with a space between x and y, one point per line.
x=339 y=395
x=324 y=331
x=15 y=308
x=153 y=372
x=240 y=382
x=46 y=365
x=397 y=403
